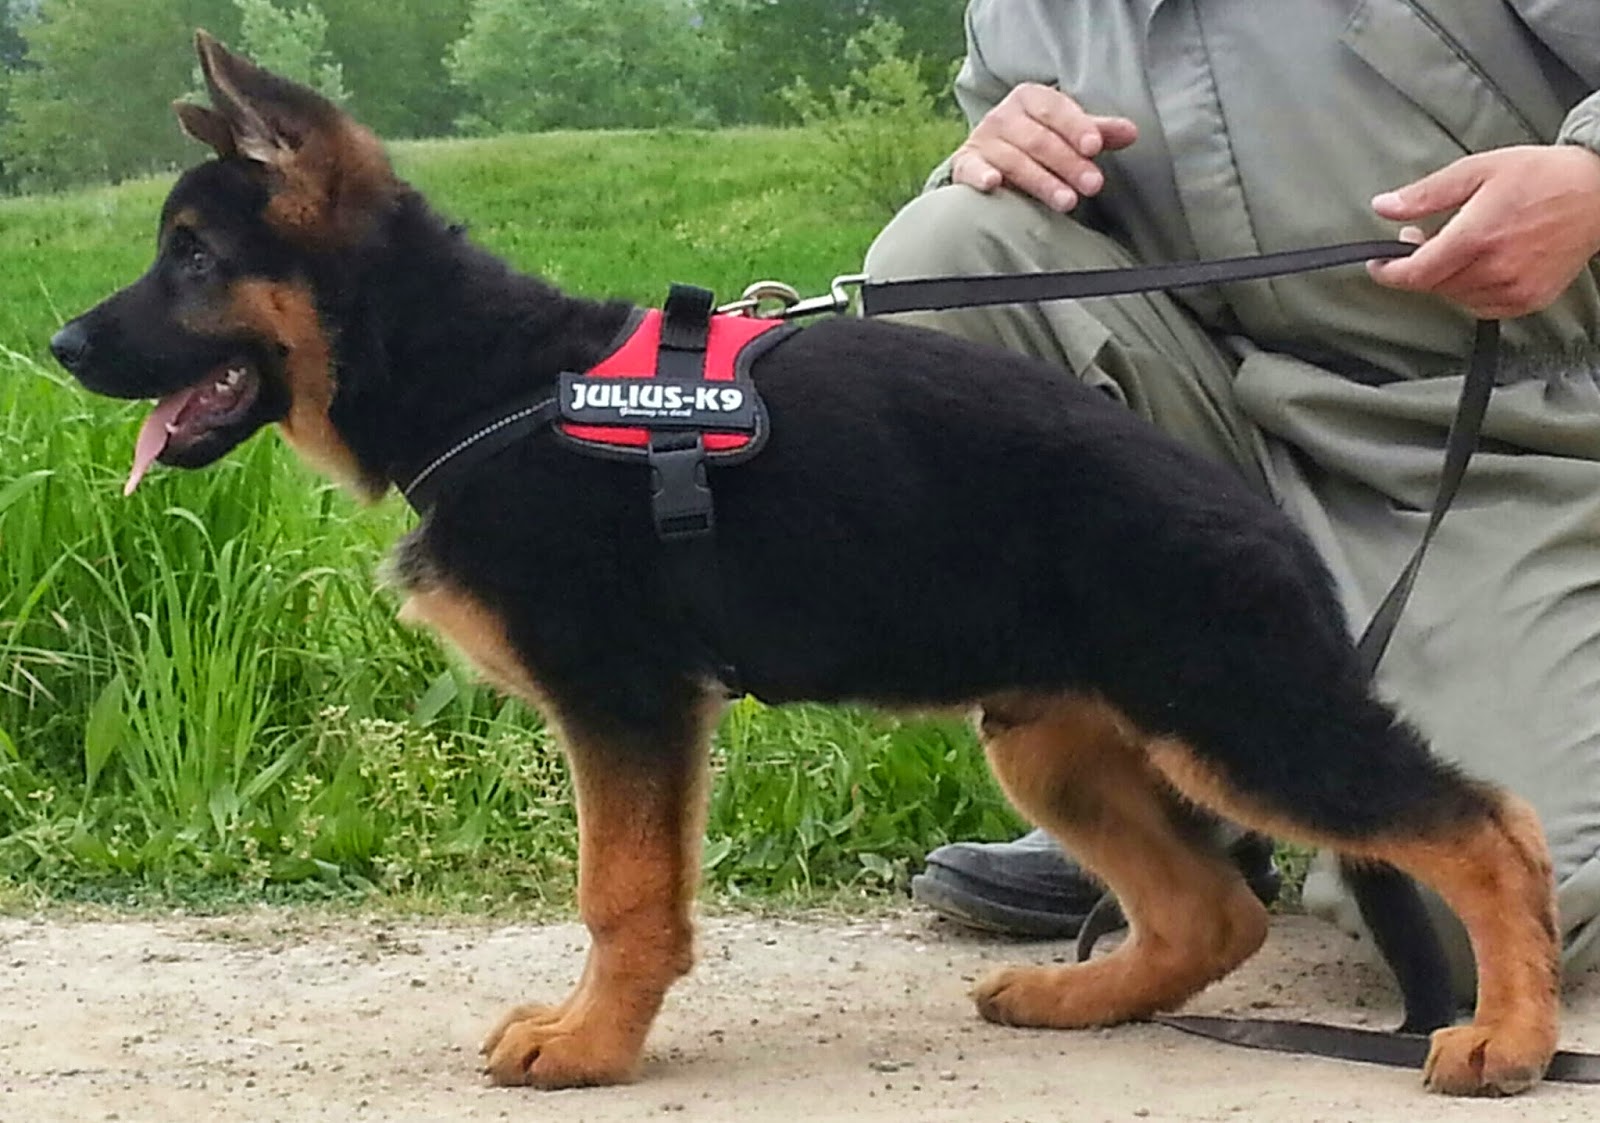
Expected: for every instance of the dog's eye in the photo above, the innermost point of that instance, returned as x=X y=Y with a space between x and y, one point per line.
x=190 y=255
x=197 y=260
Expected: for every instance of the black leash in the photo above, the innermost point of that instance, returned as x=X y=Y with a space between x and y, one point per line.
x=932 y=294
x=1349 y=1043
x=1407 y=1050
x=1459 y=445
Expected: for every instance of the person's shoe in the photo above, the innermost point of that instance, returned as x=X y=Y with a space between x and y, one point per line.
x=1030 y=887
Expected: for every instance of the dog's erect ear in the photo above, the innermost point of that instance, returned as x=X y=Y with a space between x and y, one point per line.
x=270 y=118
x=207 y=126
x=329 y=175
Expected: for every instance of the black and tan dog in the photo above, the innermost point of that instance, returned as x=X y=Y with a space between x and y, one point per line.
x=930 y=525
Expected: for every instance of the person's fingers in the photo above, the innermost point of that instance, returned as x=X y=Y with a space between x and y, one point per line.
x=1042 y=142
x=1115 y=132
x=1047 y=148
x=1526 y=222
x=1445 y=189
x=1087 y=133
x=1023 y=172
x=969 y=167
x=1438 y=259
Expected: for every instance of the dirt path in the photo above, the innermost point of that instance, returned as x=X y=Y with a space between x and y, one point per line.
x=277 y=1016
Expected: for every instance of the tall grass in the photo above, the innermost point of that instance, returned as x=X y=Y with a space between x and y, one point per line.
x=203 y=692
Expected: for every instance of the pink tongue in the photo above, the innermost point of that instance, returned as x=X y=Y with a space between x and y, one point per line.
x=153 y=436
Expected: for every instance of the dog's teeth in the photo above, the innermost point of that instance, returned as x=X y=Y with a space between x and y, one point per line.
x=235 y=374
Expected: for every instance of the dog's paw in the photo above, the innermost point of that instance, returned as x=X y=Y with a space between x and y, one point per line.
x=1474 y=1060
x=1011 y=997
x=537 y=1014
x=1053 y=997
x=547 y=1049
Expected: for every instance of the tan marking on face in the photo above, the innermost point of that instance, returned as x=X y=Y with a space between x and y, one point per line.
x=187 y=217
x=285 y=312
x=329 y=174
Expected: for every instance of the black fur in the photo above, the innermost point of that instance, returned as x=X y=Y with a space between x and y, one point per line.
x=1393 y=910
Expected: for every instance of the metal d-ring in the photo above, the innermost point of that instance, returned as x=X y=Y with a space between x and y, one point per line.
x=759 y=298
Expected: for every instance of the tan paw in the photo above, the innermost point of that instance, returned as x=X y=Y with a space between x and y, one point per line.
x=1054 y=997
x=1473 y=1060
x=565 y=1053
x=537 y=1013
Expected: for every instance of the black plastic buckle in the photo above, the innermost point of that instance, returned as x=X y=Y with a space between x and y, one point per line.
x=680 y=495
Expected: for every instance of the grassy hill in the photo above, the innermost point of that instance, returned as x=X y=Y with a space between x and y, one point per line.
x=203 y=694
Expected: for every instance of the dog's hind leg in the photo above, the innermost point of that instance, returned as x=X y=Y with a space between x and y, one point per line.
x=1072 y=766
x=641 y=813
x=1377 y=795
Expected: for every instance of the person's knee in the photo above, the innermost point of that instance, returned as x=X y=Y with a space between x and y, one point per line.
x=956 y=230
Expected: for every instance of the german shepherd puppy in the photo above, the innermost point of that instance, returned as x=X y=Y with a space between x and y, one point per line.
x=930 y=524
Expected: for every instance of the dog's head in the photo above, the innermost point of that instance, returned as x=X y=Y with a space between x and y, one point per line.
x=224 y=330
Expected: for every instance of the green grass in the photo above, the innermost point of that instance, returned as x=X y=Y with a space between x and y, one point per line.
x=203 y=696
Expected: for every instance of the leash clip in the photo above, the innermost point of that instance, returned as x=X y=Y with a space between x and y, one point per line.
x=775 y=300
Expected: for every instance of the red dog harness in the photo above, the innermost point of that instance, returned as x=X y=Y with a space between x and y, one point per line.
x=674 y=391
x=677 y=392
x=627 y=385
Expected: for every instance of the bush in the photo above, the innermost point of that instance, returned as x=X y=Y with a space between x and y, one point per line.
x=532 y=65
x=883 y=125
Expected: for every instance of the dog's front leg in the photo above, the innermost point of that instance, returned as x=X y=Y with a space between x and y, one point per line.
x=641 y=812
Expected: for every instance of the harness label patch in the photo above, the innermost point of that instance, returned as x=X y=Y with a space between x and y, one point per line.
x=659 y=403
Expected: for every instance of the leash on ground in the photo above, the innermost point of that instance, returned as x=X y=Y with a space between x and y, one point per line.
x=1406 y=1050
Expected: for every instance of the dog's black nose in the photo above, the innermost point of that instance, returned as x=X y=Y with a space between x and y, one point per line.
x=70 y=345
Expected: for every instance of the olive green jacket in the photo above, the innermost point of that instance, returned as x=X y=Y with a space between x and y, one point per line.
x=1270 y=126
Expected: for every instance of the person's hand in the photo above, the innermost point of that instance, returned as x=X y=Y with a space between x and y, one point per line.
x=1040 y=141
x=1528 y=224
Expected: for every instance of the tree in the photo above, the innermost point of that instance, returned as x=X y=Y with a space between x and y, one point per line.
x=583 y=64
x=13 y=15
x=92 y=98
x=771 y=44
x=291 y=42
x=393 y=55
x=883 y=124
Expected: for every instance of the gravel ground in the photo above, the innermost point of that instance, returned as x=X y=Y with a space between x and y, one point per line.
x=287 y=1015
